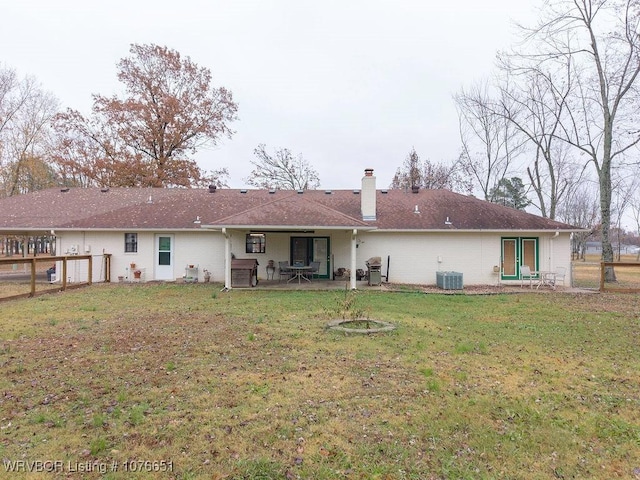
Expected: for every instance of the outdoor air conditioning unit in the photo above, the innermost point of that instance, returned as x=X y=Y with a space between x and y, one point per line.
x=449 y=280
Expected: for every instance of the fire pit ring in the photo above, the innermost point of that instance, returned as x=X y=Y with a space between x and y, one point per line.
x=360 y=325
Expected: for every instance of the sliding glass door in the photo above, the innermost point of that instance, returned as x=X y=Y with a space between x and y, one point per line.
x=305 y=250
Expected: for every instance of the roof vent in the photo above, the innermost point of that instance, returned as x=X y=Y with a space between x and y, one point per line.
x=244 y=190
x=417 y=210
x=356 y=192
x=212 y=189
x=150 y=199
x=447 y=221
x=64 y=190
x=272 y=191
x=300 y=192
x=328 y=192
x=384 y=191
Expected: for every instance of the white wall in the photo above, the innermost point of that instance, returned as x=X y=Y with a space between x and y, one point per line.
x=413 y=257
x=277 y=249
x=416 y=257
x=204 y=249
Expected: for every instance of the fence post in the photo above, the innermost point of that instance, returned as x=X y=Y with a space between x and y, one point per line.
x=64 y=273
x=107 y=267
x=33 y=276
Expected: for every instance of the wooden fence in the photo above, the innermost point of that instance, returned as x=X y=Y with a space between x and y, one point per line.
x=628 y=281
x=61 y=274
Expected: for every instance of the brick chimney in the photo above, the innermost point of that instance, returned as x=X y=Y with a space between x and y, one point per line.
x=368 y=196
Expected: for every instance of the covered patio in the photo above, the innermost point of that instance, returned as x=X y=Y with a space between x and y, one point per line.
x=316 y=284
x=331 y=248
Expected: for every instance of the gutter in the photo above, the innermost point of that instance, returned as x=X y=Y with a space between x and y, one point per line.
x=287 y=228
x=475 y=230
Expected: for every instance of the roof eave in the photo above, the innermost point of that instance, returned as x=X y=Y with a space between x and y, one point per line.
x=476 y=230
x=296 y=228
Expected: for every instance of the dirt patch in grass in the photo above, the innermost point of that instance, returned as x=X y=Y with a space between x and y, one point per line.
x=252 y=385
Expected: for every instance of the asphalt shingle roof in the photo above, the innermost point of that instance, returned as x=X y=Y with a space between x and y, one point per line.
x=166 y=209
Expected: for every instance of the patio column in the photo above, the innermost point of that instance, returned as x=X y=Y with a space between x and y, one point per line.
x=352 y=267
x=227 y=260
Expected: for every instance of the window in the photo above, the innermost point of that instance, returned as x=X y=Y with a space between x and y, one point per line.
x=256 y=243
x=130 y=242
x=164 y=250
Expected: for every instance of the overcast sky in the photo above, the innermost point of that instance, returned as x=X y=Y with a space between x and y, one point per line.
x=349 y=84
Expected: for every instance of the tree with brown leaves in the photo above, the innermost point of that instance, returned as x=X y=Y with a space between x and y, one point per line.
x=147 y=137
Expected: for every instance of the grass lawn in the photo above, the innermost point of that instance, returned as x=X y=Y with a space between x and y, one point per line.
x=183 y=381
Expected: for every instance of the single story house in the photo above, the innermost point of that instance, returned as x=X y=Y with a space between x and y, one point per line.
x=171 y=233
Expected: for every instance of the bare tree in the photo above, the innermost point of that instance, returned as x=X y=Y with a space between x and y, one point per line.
x=26 y=111
x=624 y=187
x=489 y=141
x=425 y=174
x=12 y=96
x=635 y=212
x=281 y=170
x=601 y=37
x=146 y=138
x=580 y=209
x=409 y=175
x=11 y=100
x=534 y=98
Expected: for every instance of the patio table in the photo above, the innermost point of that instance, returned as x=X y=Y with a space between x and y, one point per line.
x=546 y=279
x=299 y=272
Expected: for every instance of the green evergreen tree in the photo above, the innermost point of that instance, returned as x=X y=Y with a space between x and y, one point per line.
x=510 y=192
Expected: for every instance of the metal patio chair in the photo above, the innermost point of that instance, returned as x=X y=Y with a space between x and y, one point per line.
x=526 y=274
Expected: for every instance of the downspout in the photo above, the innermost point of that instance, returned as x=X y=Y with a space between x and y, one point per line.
x=552 y=263
x=352 y=277
x=551 y=239
x=227 y=260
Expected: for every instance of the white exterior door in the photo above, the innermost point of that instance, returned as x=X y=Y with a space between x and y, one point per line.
x=164 y=258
